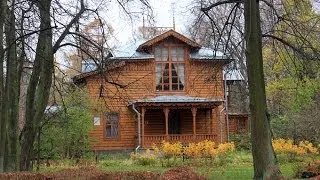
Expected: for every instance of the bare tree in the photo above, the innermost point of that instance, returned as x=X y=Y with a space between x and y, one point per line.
x=2 y=121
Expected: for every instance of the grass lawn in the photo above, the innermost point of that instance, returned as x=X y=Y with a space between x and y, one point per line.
x=236 y=166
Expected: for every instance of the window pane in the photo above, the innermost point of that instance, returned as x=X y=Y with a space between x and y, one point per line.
x=174 y=79
x=166 y=87
x=174 y=54
x=175 y=87
x=181 y=86
x=108 y=131
x=159 y=87
x=157 y=54
x=165 y=54
x=159 y=72
x=114 y=132
x=180 y=54
x=166 y=79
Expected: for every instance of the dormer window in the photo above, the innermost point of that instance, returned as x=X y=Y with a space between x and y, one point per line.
x=170 y=63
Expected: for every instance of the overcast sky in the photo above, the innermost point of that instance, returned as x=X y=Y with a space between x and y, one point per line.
x=162 y=10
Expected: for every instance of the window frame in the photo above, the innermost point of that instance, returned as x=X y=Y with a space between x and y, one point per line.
x=170 y=63
x=105 y=117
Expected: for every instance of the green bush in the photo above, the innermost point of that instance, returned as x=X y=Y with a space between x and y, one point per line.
x=146 y=158
x=65 y=135
x=242 y=141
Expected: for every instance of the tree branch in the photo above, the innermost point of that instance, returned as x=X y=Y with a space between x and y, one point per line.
x=68 y=27
x=205 y=9
x=299 y=51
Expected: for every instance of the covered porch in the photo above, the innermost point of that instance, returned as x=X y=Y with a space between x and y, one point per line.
x=178 y=119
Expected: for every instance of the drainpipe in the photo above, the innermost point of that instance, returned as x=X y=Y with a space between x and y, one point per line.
x=220 y=119
x=139 y=127
x=226 y=93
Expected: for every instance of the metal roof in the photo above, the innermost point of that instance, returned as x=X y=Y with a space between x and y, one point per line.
x=130 y=51
x=234 y=74
x=176 y=99
x=207 y=53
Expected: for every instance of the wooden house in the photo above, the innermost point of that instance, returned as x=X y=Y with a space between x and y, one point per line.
x=169 y=88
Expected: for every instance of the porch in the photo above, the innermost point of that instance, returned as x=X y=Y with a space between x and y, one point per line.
x=178 y=121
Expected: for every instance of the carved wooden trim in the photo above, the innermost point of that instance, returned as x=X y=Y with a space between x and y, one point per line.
x=194 y=115
x=166 y=111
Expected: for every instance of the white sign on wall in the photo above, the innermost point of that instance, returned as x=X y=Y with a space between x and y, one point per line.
x=96 y=121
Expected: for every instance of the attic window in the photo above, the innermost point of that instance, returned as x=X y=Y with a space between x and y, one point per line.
x=169 y=68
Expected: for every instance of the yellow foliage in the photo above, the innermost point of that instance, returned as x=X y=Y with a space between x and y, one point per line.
x=193 y=150
x=308 y=146
x=283 y=146
x=146 y=158
x=171 y=149
x=226 y=147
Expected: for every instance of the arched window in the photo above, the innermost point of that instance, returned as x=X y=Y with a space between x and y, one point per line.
x=169 y=68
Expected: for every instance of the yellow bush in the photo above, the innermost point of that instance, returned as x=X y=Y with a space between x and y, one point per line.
x=282 y=146
x=171 y=149
x=193 y=150
x=308 y=146
x=201 y=149
x=207 y=149
x=226 y=148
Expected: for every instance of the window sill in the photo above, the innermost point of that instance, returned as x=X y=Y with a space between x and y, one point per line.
x=111 y=138
x=170 y=92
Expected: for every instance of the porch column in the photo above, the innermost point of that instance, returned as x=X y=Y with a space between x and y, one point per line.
x=143 y=111
x=166 y=115
x=194 y=114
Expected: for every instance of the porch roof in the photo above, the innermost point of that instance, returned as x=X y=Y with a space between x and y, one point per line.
x=177 y=100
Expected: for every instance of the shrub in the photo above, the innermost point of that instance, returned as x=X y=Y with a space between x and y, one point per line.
x=207 y=149
x=204 y=149
x=242 y=141
x=192 y=150
x=65 y=133
x=145 y=159
x=171 y=149
x=286 y=148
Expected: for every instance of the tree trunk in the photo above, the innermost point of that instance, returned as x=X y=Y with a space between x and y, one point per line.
x=39 y=86
x=265 y=162
x=12 y=91
x=3 y=123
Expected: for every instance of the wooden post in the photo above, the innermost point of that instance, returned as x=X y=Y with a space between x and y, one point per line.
x=194 y=114
x=166 y=114
x=143 y=111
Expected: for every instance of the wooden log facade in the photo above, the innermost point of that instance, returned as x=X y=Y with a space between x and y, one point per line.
x=176 y=99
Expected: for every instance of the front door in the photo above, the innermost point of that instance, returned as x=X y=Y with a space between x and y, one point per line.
x=174 y=122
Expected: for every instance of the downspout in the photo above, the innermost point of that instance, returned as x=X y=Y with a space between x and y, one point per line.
x=220 y=119
x=226 y=93
x=139 y=127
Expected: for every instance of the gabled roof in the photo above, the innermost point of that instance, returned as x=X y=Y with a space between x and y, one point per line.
x=169 y=33
x=134 y=51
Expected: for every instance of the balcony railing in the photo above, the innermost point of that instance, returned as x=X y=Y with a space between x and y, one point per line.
x=149 y=140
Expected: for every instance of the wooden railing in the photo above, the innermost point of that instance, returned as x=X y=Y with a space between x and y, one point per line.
x=149 y=140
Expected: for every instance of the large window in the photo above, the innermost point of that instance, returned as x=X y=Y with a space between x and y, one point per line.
x=112 y=122
x=169 y=68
